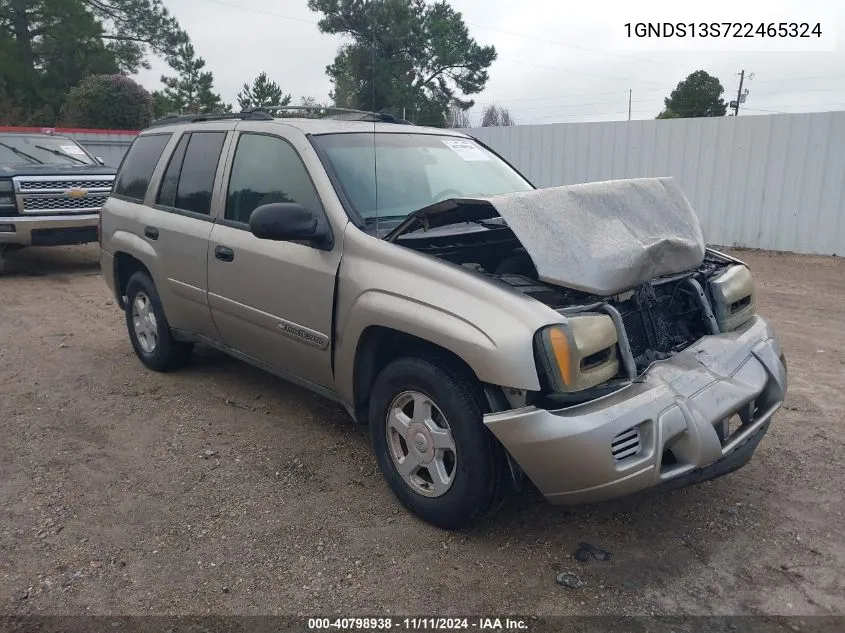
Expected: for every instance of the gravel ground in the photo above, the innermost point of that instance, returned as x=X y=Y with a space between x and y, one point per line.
x=220 y=489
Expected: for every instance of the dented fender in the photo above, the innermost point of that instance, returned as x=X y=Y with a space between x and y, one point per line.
x=490 y=328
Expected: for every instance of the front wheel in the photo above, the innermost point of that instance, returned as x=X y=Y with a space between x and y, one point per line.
x=431 y=444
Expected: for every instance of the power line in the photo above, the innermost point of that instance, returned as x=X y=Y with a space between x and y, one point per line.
x=262 y=11
x=586 y=114
x=578 y=72
x=765 y=110
x=764 y=81
x=547 y=107
x=567 y=96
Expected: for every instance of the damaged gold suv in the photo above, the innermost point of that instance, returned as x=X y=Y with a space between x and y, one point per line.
x=581 y=337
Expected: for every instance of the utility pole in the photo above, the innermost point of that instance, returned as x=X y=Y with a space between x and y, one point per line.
x=629 y=103
x=738 y=94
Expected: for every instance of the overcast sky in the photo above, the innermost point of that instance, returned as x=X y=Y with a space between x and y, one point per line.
x=559 y=61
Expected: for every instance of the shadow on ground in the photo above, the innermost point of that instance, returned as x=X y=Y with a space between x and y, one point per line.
x=41 y=261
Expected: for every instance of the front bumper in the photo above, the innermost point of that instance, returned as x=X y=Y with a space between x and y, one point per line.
x=49 y=230
x=695 y=416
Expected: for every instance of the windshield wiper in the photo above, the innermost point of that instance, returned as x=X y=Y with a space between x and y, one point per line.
x=62 y=154
x=384 y=218
x=15 y=150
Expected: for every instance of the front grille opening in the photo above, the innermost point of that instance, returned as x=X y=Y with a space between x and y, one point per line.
x=36 y=185
x=596 y=360
x=739 y=305
x=63 y=203
x=626 y=444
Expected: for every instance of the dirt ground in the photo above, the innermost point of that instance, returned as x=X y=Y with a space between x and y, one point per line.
x=109 y=504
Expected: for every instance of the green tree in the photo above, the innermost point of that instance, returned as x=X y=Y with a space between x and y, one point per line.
x=191 y=91
x=108 y=101
x=51 y=45
x=162 y=106
x=668 y=114
x=405 y=56
x=263 y=92
x=699 y=95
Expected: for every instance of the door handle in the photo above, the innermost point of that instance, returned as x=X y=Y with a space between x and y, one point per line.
x=224 y=253
x=151 y=232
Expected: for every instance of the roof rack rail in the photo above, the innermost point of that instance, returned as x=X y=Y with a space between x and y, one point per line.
x=348 y=114
x=175 y=119
x=263 y=114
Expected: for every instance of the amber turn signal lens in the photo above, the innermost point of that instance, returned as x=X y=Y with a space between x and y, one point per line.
x=560 y=346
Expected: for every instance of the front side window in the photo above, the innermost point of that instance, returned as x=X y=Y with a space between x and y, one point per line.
x=267 y=169
x=388 y=175
x=138 y=166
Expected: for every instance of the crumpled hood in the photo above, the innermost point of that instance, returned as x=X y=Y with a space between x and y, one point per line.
x=602 y=237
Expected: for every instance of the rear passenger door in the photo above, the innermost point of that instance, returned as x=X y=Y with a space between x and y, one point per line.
x=181 y=224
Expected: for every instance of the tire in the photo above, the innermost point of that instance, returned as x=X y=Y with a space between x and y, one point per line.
x=151 y=339
x=478 y=467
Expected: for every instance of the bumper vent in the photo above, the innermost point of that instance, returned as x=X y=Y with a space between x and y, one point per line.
x=626 y=444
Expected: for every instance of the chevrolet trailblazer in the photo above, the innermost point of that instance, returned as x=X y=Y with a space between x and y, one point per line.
x=582 y=337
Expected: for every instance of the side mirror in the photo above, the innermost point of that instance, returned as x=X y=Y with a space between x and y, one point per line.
x=288 y=221
x=100 y=160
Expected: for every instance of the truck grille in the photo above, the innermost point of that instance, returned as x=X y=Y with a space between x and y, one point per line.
x=43 y=184
x=32 y=204
x=62 y=194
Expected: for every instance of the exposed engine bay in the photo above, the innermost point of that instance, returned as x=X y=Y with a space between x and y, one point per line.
x=654 y=320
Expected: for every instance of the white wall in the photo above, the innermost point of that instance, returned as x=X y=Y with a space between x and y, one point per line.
x=772 y=182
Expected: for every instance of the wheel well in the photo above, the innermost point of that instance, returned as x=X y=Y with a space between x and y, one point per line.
x=379 y=345
x=124 y=267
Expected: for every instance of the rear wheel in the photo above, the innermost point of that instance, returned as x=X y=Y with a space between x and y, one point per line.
x=149 y=331
x=431 y=444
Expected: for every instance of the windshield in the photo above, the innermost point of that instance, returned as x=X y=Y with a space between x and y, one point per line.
x=412 y=171
x=18 y=149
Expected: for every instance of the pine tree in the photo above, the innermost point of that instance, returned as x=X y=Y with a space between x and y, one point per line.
x=263 y=92
x=190 y=92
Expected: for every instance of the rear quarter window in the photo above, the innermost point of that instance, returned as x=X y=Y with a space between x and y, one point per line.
x=138 y=166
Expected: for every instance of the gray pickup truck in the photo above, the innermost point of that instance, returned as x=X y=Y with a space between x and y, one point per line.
x=51 y=191
x=582 y=338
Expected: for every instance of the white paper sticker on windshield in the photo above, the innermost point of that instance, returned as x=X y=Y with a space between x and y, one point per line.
x=466 y=149
x=73 y=150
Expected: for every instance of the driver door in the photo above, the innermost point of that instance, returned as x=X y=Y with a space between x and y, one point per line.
x=272 y=301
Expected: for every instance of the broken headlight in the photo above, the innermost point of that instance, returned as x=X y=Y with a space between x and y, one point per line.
x=578 y=354
x=733 y=297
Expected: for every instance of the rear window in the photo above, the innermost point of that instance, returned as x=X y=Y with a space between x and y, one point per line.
x=138 y=166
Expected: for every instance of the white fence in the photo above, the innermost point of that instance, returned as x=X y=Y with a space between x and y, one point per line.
x=773 y=182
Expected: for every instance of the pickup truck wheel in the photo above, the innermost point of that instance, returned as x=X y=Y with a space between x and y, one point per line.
x=431 y=444
x=149 y=331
